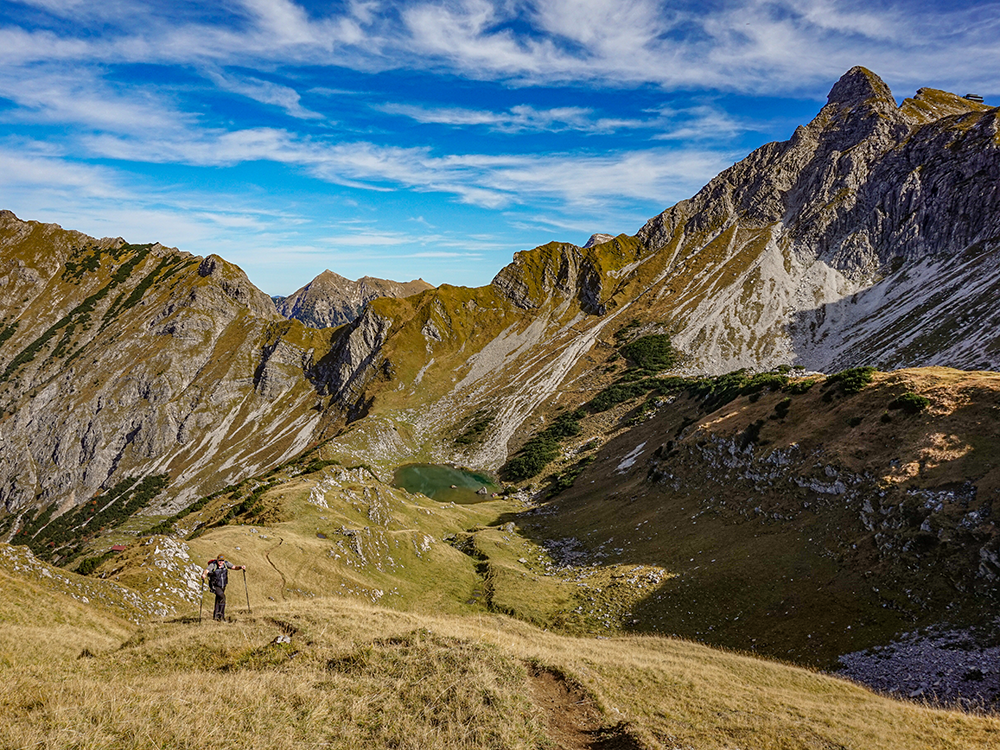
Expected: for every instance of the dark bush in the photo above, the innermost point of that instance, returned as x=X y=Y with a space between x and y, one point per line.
x=650 y=352
x=910 y=402
x=751 y=434
x=765 y=381
x=782 y=407
x=619 y=393
x=852 y=380
x=476 y=430
x=798 y=387
x=543 y=448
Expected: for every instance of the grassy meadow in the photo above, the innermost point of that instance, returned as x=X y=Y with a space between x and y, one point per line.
x=356 y=675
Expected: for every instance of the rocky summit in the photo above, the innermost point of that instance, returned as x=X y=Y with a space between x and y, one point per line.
x=703 y=429
x=331 y=300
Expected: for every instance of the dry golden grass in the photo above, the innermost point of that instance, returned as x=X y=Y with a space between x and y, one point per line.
x=355 y=675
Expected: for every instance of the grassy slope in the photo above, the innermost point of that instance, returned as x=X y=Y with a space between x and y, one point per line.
x=355 y=675
x=763 y=563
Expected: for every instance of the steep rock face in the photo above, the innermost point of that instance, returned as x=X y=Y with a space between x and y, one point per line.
x=869 y=199
x=355 y=359
x=121 y=359
x=331 y=300
x=556 y=270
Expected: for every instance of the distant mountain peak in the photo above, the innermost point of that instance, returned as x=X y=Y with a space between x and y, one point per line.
x=598 y=238
x=331 y=299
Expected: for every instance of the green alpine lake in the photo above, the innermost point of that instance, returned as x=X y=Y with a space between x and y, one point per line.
x=446 y=484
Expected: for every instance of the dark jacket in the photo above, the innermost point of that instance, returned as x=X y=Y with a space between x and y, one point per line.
x=218 y=573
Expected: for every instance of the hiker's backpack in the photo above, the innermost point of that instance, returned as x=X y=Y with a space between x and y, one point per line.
x=219 y=576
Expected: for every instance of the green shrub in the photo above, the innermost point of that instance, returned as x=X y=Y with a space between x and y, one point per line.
x=7 y=332
x=651 y=352
x=852 y=380
x=566 y=479
x=91 y=564
x=529 y=462
x=619 y=393
x=67 y=535
x=910 y=402
x=798 y=387
x=543 y=448
x=318 y=465
x=626 y=331
x=476 y=431
x=765 y=381
x=251 y=505
x=718 y=390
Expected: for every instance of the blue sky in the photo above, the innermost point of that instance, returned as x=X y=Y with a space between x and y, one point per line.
x=428 y=138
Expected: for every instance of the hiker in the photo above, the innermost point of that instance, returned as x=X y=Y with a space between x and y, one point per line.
x=217 y=575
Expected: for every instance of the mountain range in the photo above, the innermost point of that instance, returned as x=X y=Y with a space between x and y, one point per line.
x=766 y=421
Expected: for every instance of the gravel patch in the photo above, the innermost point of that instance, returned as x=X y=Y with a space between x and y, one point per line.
x=940 y=665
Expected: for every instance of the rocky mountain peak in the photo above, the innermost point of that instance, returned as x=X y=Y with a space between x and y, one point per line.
x=231 y=279
x=598 y=238
x=327 y=277
x=332 y=300
x=860 y=86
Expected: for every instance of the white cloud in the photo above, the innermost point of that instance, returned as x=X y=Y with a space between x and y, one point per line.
x=30 y=171
x=761 y=46
x=265 y=92
x=52 y=95
x=518 y=119
x=368 y=239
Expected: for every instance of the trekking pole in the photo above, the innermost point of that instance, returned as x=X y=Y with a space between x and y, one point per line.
x=201 y=603
x=249 y=611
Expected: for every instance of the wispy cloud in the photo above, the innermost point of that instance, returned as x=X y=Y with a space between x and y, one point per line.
x=756 y=46
x=266 y=92
x=22 y=170
x=518 y=119
x=488 y=180
x=52 y=95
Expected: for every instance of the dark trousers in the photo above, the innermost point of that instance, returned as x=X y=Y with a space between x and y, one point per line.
x=220 y=603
